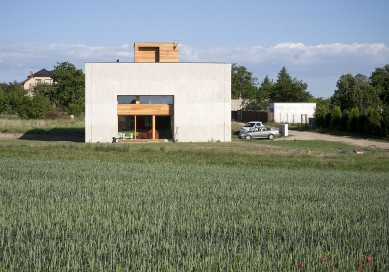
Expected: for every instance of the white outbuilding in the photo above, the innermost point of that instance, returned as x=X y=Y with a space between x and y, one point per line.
x=292 y=112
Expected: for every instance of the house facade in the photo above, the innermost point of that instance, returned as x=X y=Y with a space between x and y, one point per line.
x=34 y=79
x=157 y=98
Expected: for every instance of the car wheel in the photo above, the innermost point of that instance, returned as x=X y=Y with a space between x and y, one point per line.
x=271 y=136
x=248 y=137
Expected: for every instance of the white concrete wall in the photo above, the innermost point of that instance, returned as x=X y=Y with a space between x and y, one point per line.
x=291 y=112
x=202 y=97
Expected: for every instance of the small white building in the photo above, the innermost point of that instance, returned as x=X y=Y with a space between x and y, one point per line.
x=157 y=100
x=292 y=112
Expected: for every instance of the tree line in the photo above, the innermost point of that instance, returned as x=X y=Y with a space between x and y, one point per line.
x=66 y=94
x=359 y=103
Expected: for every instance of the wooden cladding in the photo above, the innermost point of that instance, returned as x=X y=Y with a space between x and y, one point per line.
x=148 y=54
x=145 y=109
x=156 y=52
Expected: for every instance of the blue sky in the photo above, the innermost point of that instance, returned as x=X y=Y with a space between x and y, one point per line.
x=317 y=41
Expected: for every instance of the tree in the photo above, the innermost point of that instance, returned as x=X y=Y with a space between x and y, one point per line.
x=15 y=96
x=354 y=92
x=69 y=84
x=243 y=84
x=3 y=100
x=380 y=81
x=287 y=89
x=372 y=122
x=47 y=90
x=263 y=94
x=320 y=115
x=336 y=116
x=34 y=107
x=352 y=122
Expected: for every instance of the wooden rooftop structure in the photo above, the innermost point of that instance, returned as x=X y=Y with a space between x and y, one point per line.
x=156 y=52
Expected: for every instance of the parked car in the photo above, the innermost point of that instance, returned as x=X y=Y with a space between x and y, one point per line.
x=260 y=132
x=252 y=124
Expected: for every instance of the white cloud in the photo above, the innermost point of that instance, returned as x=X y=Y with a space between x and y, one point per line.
x=318 y=65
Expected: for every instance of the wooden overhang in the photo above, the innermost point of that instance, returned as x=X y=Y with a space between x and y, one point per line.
x=145 y=109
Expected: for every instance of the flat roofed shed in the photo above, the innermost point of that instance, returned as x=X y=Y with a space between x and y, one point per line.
x=156 y=52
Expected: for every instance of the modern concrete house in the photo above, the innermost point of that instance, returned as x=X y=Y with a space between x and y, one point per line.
x=292 y=112
x=157 y=98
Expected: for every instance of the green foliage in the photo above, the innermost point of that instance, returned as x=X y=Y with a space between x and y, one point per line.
x=328 y=120
x=59 y=215
x=287 y=89
x=75 y=109
x=372 y=122
x=320 y=101
x=47 y=90
x=15 y=96
x=336 y=116
x=385 y=121
x=243 y=84
x=361 y=123
x=3 y=101
x=34 y=107
x=320 y=116
x=263 y=94
x=344 y=120
x=380 y=81
x=354 y=92
x=55 y=114
x=352 y=122
x=69 y=84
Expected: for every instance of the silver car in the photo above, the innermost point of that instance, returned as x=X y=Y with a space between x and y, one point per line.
x=252 y=124
x=260 y=132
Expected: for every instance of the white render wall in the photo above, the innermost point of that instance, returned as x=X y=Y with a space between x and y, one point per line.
x=202 y=97
x=291 y=112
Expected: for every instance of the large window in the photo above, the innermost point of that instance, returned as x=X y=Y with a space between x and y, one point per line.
x=145 y=117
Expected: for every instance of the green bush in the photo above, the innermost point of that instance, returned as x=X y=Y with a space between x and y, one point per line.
x=54 y=114
x=361 y=123
x=75 y=109
x=372 y=122
x=343 y=120
x=34 y=107
x=320 y=116
x=353 y=120
x=336 y=116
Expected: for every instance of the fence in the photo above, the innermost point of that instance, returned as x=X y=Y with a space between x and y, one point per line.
x=246 y=116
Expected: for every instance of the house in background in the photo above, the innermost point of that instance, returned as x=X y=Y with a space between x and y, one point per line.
x=157 y=98
x=42 y=76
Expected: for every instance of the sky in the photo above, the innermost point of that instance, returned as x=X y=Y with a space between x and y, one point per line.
x=316 y=41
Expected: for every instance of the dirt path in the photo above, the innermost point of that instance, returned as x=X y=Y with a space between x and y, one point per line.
x=306 y=135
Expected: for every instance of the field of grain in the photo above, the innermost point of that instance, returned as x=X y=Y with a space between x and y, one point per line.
x=73 y=215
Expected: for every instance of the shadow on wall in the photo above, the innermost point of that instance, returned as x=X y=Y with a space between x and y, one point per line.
x=55 y=134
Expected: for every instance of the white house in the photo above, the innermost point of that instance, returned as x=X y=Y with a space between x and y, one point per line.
x=157 y=98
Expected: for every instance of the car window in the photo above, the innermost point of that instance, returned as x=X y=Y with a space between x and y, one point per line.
x=249 y=125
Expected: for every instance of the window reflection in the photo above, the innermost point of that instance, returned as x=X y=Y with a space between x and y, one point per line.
x=145 y=99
